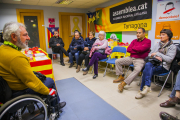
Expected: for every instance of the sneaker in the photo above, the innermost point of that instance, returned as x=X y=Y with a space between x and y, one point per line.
x=146 y=89
x=139 y=95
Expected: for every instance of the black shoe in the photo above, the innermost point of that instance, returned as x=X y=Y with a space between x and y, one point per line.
x=62 y=104
x=166 y=116
x=62 y=64
x=95 y=76
x=71 y=65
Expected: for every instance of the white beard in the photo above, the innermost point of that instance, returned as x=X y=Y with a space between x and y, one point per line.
x=20 y=44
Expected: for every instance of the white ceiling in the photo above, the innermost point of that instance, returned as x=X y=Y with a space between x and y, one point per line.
x=74 y=4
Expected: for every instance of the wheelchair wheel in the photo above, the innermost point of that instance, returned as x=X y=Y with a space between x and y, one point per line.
x=24 y=107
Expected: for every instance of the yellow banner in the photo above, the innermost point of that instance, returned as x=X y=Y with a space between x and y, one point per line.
x=103 y=21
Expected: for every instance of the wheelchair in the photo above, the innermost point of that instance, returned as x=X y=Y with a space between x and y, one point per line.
x=28 y=106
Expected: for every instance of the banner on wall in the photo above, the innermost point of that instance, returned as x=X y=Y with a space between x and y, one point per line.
x=50 y=33
x=168 y=10
x=127 y=15
x=172 y=25
x=51 y=22
x=76 y=24
x=90 y=22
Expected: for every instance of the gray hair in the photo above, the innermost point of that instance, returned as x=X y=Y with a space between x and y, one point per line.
x=102 y=32
x=11 y=27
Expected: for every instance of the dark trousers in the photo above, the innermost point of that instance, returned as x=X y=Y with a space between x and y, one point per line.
x=60 y=50
x=82 y=57
x=48 y=82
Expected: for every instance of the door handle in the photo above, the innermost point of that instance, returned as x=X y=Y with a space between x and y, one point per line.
x=70 y=36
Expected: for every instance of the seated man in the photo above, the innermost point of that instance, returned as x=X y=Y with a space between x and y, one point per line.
x=15 y=67
x=139 y=49
x=57 y=45
x=165 y=52
x=77 y=45
x=174 y=97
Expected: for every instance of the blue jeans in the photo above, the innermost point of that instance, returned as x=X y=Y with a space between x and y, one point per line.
x=48 y=82
x=71 y=57
x=176 y=86
x=148 y=72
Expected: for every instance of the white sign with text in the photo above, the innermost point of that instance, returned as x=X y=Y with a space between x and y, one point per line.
x=168 y=10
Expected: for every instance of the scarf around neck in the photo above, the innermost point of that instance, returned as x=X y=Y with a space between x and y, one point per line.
x=164 y=46
x=12 y=45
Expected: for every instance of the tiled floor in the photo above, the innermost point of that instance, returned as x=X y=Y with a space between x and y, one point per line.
x=142 y=109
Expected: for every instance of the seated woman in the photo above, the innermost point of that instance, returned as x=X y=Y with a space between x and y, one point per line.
x=174 y=97
x=165 y=52
x=77 y=45
x=89 y=41
x=100 y=44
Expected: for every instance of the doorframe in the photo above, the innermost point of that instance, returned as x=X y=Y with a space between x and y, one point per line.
x=41 y=26
x=73 y=14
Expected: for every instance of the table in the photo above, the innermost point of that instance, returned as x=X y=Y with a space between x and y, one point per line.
x=42 y=66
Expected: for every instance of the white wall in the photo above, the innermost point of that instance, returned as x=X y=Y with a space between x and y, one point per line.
x=8 y=14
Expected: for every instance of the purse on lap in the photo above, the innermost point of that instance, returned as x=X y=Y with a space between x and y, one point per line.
x=153 y=60
x=102 y=51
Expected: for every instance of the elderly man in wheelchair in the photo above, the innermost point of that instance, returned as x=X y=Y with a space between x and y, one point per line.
x=23 y=94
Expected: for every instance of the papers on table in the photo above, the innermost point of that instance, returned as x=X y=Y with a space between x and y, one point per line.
x=41 y=58
x=39 y=54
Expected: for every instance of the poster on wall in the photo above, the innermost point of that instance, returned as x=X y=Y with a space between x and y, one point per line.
x=76 y=24
x=51 y=22
x=50 y=33
x=168 y=10
x=127 y=15
x=114 y=35
x=172 y=25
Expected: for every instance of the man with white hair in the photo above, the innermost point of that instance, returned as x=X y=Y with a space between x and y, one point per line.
x=15 y=68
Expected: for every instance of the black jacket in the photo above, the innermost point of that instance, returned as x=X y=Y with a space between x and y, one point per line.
x=53 y=41
x=88 y=43
x=79 y=44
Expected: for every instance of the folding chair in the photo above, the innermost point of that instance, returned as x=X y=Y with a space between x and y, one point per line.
x=52 y=55
x=112 y=61
x=162 y=75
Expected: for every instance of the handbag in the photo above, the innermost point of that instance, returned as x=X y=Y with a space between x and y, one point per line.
x=40 y=76
x=86 y=52
x=153 y=60
x=102 y=51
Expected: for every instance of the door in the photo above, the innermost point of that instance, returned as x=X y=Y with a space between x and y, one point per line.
x=34 y=22
x=31 y=21
x=68 y=23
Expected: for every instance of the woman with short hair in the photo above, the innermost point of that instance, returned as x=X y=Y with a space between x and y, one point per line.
x=89 y=41
x=100 y=45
